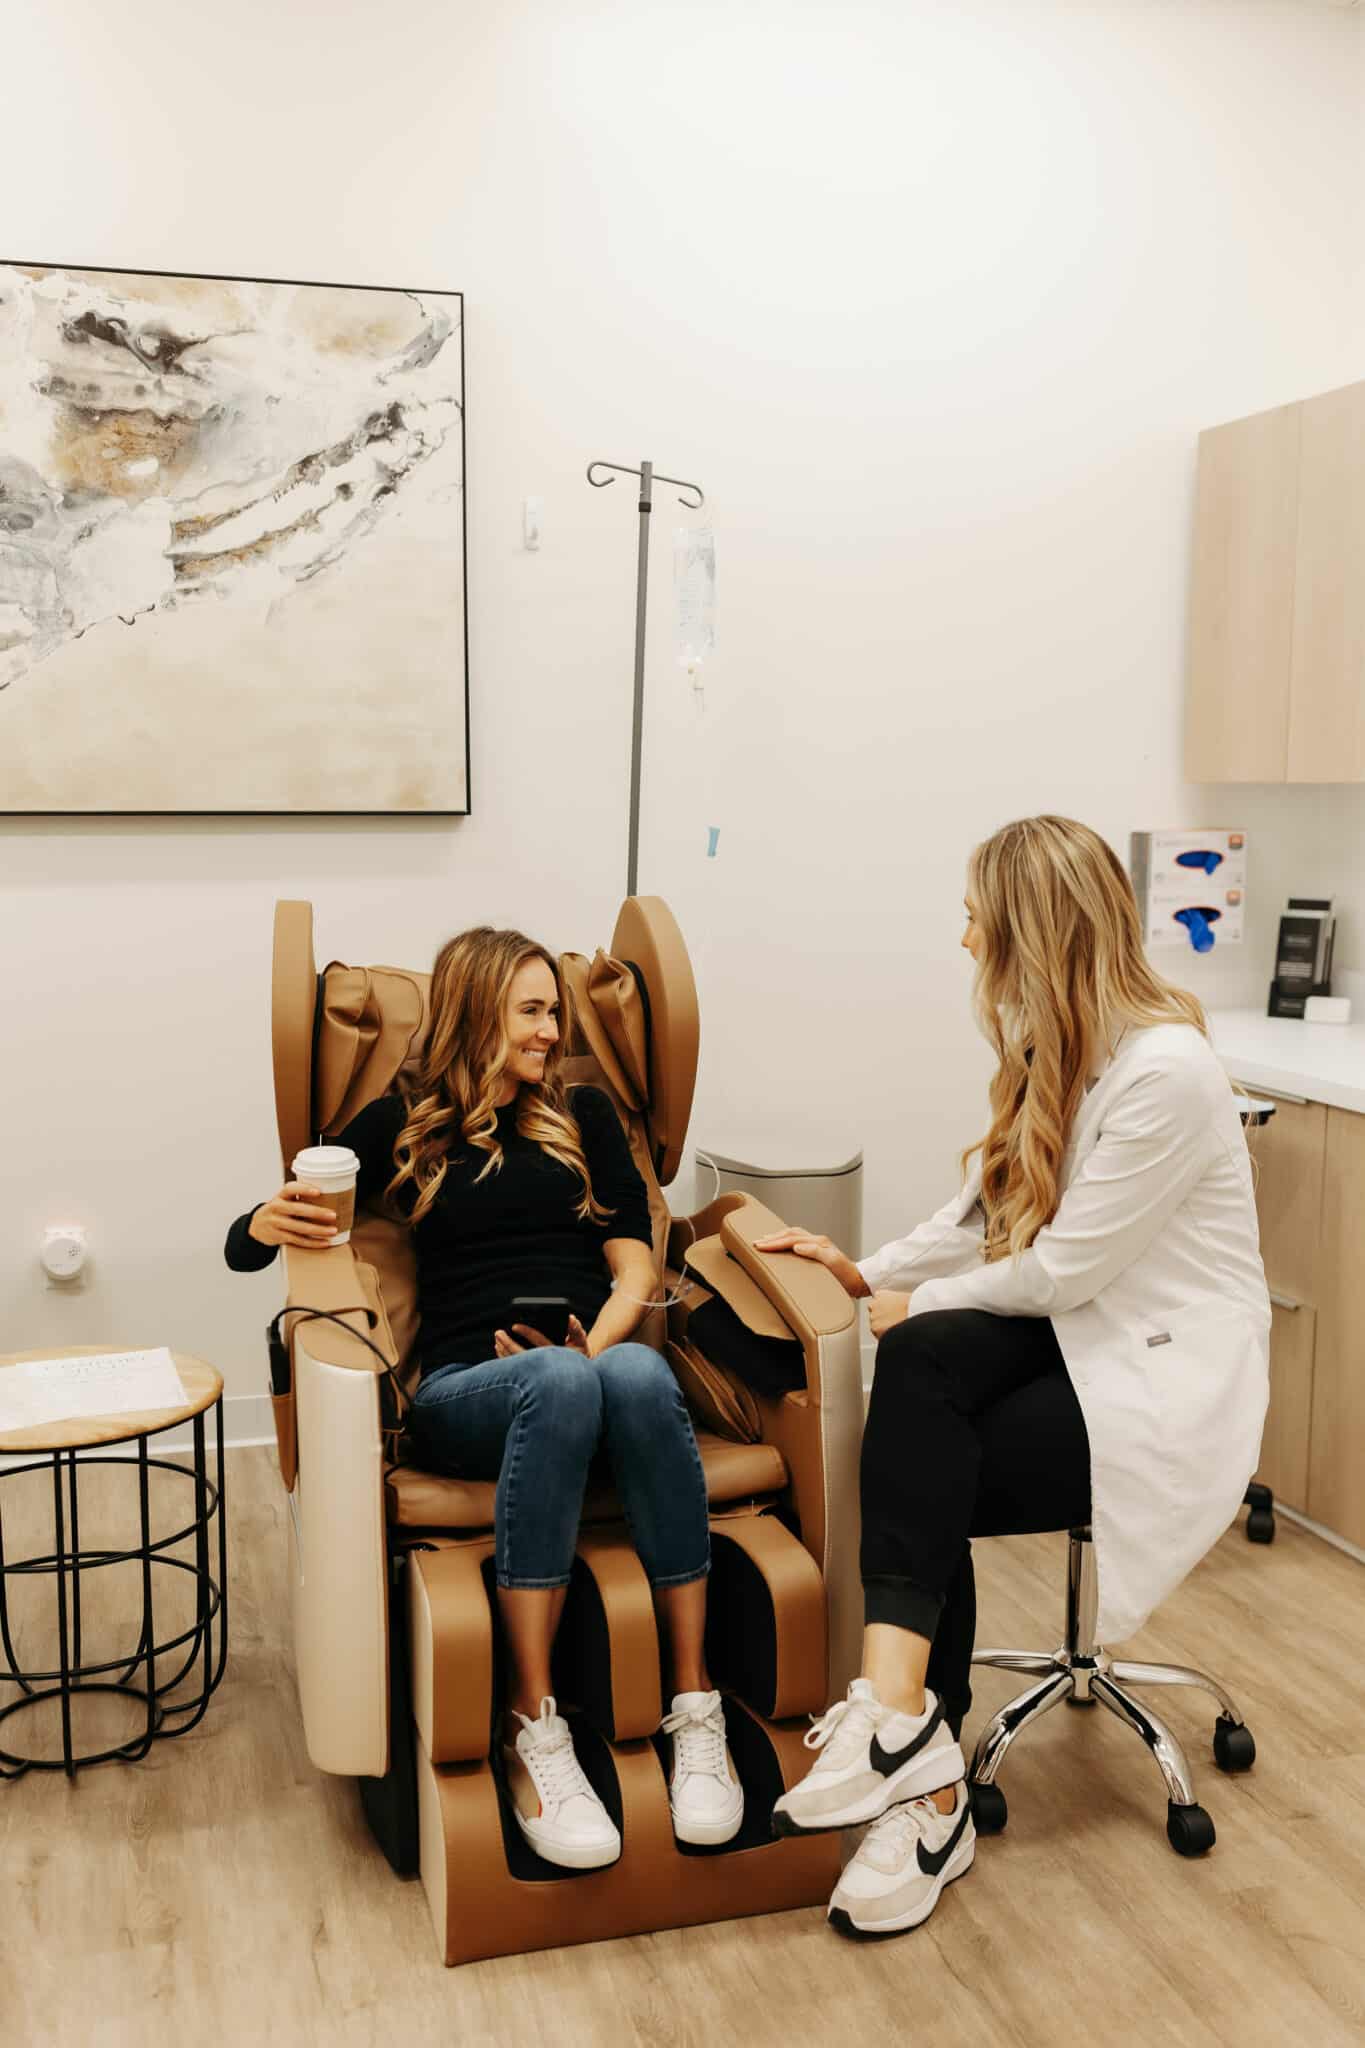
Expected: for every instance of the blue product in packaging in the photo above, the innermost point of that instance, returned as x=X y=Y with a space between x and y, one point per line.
x=1199 y=859
x=1197 y=923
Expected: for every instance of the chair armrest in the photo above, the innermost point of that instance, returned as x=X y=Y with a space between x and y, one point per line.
x=807 y=1296
x=335 y=1280
x=818 y=1311
x=338 y=1539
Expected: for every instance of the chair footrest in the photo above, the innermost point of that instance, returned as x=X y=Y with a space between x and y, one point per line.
x=765 y=1633
x=489 y=1895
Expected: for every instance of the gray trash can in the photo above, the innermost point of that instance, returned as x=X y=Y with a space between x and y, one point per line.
x=820 y=1188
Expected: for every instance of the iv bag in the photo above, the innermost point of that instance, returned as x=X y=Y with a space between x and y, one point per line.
x=694 y=589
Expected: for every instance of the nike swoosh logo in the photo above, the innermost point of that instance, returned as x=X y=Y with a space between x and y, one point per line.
x=888 y=1762
x=931 y=1861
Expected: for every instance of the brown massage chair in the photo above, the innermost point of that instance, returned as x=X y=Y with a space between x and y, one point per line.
x=391 y=1567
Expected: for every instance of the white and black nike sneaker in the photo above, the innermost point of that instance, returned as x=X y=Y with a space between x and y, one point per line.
x=873 y=1758
x=902 y=1864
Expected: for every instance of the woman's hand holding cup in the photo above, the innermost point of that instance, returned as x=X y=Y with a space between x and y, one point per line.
x=294 y=1217
x=808 y=1244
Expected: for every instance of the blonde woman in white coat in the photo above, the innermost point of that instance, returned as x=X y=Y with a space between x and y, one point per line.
x=1082 y=1334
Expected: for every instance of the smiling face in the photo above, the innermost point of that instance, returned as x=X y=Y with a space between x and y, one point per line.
x=531 y=1021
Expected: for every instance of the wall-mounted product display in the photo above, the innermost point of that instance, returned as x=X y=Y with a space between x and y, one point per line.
x=1190 y=886
x=1303 y=956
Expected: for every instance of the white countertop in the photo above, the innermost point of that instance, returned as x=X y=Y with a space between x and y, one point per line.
x=1321 y=1062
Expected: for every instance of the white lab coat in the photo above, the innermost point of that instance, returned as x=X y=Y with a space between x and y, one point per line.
x=1151 y=1273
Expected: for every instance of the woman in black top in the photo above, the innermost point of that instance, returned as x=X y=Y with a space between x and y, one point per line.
x=512 y=1187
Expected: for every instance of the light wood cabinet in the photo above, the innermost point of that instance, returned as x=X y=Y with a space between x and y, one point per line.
x=1241 y=599
x=1287 y=1157
x=1276 y=682
x=1309 y=1162
x=1336 y=1472
x=1289 y=1419
x=1327 y=672
x=1287 y=1161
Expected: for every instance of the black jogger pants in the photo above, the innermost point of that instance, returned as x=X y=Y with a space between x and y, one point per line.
x=974 y=1429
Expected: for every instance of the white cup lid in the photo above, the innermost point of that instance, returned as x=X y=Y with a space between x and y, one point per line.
x=337 y=1159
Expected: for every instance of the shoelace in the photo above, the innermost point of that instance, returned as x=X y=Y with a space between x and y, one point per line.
x=700 y=1733
x=550 y=1755
x=910 y=1818
x=845 y=1725
x=888 y=1841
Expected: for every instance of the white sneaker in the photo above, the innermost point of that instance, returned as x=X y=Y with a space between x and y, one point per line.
x=873 y=1758
x=901 y=1865
x=703 y=1788
x=556 y=1808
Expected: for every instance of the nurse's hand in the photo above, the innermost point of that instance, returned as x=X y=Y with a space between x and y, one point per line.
x=807 y=1245
x=885 y=1310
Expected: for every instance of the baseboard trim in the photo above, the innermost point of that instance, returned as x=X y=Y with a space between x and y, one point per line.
x=1316 y=1529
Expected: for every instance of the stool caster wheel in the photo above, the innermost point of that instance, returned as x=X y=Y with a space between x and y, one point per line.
x=989 y=1811
x=1189 y=1830
x=1234 y=1745
x=1261 y=1520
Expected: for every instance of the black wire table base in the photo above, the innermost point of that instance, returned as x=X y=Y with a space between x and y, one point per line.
x=132 y=1676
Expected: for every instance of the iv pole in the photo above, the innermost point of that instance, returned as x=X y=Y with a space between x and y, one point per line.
x=647 y=480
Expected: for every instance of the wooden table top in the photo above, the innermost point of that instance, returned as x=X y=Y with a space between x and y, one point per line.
x=202 y=1383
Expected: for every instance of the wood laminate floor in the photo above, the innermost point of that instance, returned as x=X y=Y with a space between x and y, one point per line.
x=223 y=1892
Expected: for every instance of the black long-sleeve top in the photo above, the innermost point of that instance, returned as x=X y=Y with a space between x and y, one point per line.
x=516 y=1232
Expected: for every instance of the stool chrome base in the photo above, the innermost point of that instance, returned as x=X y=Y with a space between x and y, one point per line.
x=1082 y=1673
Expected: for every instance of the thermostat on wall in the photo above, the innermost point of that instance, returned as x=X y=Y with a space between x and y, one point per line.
x=63 y=1250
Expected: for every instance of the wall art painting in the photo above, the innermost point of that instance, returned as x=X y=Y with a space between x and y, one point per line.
x=232 y=546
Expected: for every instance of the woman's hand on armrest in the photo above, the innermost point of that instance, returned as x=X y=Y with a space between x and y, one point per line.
x=807 y=1245
x=294 y=1217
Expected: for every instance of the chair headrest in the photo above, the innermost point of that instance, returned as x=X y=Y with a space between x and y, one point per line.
x=342 y=1038
x=372 y=1022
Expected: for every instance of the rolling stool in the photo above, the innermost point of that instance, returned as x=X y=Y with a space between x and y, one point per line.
x=1081 y=1672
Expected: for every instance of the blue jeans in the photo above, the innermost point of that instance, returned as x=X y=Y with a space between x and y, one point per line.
x=534 y=1421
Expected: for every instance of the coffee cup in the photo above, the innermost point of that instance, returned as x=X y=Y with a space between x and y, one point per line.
x=332 y=1170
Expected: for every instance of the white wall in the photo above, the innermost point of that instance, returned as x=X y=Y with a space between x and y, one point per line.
x=932 y=298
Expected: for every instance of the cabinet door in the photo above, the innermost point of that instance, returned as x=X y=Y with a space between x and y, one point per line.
x=1287 y=1160
x=1242 y=600
x=1336 y=1465
x=1284 y=1447
x=1327 y=672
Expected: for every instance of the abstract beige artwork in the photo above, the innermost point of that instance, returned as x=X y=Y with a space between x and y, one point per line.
x=232 y=546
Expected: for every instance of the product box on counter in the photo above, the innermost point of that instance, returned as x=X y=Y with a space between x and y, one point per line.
x=1190 y=886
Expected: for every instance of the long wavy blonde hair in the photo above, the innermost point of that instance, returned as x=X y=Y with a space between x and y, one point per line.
x=452 y=1101
x=1062 y=974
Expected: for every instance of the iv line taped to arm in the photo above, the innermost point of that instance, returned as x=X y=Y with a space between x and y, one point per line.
x=679 y=1293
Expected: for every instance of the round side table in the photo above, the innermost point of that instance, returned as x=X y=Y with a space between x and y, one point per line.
x=64 y=1448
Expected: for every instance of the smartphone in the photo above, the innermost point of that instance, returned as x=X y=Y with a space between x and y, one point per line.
x=548 y=1313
